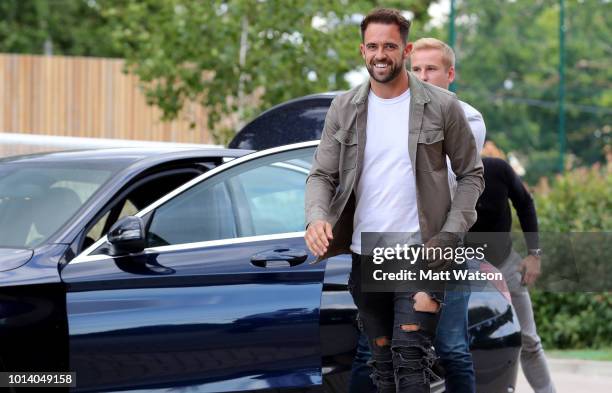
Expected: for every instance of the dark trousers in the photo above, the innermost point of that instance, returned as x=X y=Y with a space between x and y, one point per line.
x=360 y=372
x=405 y=364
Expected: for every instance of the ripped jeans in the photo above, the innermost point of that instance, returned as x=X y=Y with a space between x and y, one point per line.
x=405 y=364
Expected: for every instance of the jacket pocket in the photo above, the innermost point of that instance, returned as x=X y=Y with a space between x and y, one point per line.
x=348 y=149
x=430 y=151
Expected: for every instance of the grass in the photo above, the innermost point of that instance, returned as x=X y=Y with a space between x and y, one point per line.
x=583 y=354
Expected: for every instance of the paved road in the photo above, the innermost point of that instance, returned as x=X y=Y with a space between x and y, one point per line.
x=575 y=376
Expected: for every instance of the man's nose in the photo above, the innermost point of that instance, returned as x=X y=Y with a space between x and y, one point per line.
x=423 y=75
x=380 y=53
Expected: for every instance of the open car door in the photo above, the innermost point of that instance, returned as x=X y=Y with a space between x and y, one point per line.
x=221 y=298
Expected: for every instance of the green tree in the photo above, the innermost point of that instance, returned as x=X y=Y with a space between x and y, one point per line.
x=60 y=27
x=508 y=56
x=239 y=56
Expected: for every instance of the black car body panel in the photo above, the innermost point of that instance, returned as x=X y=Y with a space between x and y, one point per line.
x=12 y=258
x=224 y=317
x=294 y=121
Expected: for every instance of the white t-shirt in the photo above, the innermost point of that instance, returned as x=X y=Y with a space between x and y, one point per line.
x=479 y=130
x=477 y=124
x=386 y=193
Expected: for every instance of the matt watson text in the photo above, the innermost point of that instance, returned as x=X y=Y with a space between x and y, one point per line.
x=421 y=275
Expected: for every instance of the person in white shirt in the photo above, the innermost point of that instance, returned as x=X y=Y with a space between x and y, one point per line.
x=433 y=61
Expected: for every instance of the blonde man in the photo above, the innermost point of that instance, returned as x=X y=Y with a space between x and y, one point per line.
x=433 y=61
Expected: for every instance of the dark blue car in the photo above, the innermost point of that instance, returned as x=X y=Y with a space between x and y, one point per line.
x=208 y=289
x=221 y=298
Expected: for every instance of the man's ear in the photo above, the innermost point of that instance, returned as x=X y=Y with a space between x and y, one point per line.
x=408 y=50
x=451 y=74
x=362 y=50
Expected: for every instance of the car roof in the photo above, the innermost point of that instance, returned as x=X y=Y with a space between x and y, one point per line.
x=124 y=157
x=294 y=121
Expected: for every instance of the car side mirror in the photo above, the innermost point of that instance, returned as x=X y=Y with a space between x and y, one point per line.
x=127 y=236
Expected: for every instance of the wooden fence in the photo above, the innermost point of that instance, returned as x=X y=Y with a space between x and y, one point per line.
x=86 y=97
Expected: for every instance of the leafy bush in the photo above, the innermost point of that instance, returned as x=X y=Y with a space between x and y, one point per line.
x=578 y=201
x=573 y=319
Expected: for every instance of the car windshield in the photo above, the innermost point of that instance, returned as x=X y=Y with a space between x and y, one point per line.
x=36 y=200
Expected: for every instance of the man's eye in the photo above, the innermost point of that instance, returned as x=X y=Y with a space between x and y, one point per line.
x=390 y=46
x=371 y=47
x=416 y=69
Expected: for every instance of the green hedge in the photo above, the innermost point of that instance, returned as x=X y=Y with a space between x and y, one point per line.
x=578 y=201
x=573 y=320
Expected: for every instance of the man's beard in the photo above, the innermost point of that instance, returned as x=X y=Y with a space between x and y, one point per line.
x=394 y=72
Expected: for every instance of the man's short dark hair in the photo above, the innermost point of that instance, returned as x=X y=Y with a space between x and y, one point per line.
x=386 y=16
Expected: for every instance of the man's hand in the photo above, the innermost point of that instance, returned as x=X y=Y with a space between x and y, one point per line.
x=317 y=236
x=438 y=244
x=530 y=269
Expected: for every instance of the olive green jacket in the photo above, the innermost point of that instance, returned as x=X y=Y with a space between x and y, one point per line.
x=437 y=128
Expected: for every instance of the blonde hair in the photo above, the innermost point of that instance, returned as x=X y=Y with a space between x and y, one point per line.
x=448 y=55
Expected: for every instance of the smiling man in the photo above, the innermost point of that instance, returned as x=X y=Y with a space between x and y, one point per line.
x=381 y=167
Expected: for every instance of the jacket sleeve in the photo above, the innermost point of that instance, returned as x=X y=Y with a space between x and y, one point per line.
x=460 y=147
x=323 y=178
x=524 y=206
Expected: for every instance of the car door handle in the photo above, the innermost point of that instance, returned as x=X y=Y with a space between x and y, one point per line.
x=279 y=257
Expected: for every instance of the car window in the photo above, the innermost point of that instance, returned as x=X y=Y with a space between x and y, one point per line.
x=199 y=214
x=259 y=197
x=142 y=193
x=35 y=201
x=128 y=209
x=97 y=231
x=275 y=197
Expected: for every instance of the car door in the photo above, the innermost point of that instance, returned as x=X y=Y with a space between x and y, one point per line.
x=222 y=299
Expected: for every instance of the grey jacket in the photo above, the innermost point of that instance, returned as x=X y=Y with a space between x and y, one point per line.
x=437 y=128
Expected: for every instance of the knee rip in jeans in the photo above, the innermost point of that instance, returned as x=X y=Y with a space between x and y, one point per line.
x=422 y=303
x=425 y=303
x=381 y=341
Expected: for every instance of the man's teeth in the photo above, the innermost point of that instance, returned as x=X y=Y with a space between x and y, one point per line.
x=380 y=65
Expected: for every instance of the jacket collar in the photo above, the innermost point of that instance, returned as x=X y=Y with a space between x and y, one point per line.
x=418 y=92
